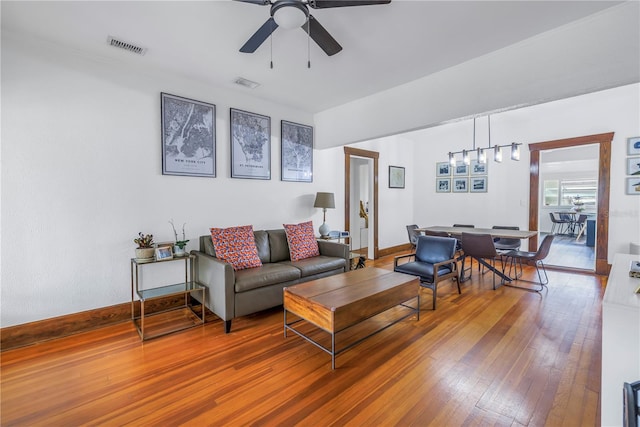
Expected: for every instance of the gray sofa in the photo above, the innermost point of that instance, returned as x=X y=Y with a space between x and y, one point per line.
x=232 y=294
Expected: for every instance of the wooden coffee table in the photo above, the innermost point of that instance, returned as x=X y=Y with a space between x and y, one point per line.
x=338 y=302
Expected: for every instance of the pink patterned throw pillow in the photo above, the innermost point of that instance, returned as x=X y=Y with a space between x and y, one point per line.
x=237 y=246
x=302 y=241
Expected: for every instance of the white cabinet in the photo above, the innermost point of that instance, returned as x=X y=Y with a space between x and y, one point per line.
x=620 y=338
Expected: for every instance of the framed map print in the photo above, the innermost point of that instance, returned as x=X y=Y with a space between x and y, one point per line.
x=296 y=152
x=250 y=145
x=188 y=136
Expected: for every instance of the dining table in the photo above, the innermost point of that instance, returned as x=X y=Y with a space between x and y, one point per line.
x=494 y=232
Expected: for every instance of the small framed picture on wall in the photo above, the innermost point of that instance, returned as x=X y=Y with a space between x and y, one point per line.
x=633 y=185
x=633 y=146
x=461 y=169
x=633 y=165
x=477 y=168
x=443 y=185
x=478 y=184
x=443 y=169
x=396 y=177
x=460 y=185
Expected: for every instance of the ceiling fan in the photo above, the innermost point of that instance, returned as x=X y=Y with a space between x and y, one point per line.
x=295 y=13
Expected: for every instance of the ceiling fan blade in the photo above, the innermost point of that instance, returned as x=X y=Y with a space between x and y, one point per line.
x=321 y=36
x=259 y=36
x=259 y=2
x=325 y=4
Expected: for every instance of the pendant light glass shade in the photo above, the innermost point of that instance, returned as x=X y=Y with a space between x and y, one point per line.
x=465 y=157
x=497 y=154
x=481 y=156
x=452 y=159
x=515 y=151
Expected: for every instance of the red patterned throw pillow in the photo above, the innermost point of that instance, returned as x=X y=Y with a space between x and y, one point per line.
x=237 y=246
x=302 y=241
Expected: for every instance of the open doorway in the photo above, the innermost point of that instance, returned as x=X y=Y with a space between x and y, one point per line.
x=603 y=142
x=568 y=204
x=361 y=185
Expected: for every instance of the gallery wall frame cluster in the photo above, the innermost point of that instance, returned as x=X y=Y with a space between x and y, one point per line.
x=188 y=129
x=462 y=178
x=633 y=165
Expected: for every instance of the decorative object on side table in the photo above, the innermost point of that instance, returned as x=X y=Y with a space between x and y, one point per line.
x=180 y=245
x=145 y=250
x=324 y=201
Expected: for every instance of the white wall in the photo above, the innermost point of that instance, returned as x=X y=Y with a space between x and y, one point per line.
x=82 y=175
x=506 y=202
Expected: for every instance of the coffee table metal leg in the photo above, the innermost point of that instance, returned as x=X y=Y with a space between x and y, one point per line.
x=285 y=323
x=333 y=351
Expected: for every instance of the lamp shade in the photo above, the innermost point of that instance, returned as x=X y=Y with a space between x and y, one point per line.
x=324 y=200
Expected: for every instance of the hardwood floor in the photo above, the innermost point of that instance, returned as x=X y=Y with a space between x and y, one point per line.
x=506 y=357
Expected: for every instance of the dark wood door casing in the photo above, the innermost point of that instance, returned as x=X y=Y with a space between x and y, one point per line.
x=604 y=172
x=348 y=152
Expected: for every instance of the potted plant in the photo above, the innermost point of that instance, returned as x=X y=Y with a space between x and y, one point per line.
x=145 y=249
x=180 y=245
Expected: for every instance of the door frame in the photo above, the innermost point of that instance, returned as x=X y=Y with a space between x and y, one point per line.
x=348 y=152
x=604 y=173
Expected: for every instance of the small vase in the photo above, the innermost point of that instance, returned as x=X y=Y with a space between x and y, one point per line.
x=179 y=251
x=145 y=253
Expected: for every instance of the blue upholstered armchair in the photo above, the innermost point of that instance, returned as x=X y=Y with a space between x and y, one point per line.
x=434 y=262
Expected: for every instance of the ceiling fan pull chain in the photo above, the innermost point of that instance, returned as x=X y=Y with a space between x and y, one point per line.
x=308 y=43
x=271 y=42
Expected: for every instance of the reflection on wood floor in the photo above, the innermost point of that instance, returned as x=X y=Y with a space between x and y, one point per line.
x=566 y=251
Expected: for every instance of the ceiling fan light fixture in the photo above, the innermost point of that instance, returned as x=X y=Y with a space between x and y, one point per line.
x=290 y=15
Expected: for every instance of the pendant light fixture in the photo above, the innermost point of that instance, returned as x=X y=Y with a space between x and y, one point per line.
x=481 y=154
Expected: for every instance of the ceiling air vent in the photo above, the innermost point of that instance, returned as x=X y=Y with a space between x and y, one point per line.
x=246 y=83
x=126 y=46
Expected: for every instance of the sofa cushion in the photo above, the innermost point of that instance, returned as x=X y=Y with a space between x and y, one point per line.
x=268 y=274
x=262 y=244
x=302 y=241
x=279 y=245
x=237 y=246
x=317 y=265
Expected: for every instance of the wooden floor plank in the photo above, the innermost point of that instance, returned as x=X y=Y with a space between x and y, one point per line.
x=485 y=357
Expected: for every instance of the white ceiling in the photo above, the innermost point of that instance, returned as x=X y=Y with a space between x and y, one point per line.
x=383 y=46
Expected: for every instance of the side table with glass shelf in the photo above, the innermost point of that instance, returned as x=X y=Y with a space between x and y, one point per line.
x=356 y=260
x=186 y=289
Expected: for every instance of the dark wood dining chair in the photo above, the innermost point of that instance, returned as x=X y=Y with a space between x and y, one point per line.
x=481 y=247
x=556 y=222
x=413 y=234
x=462 y=256
x=433 y=262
